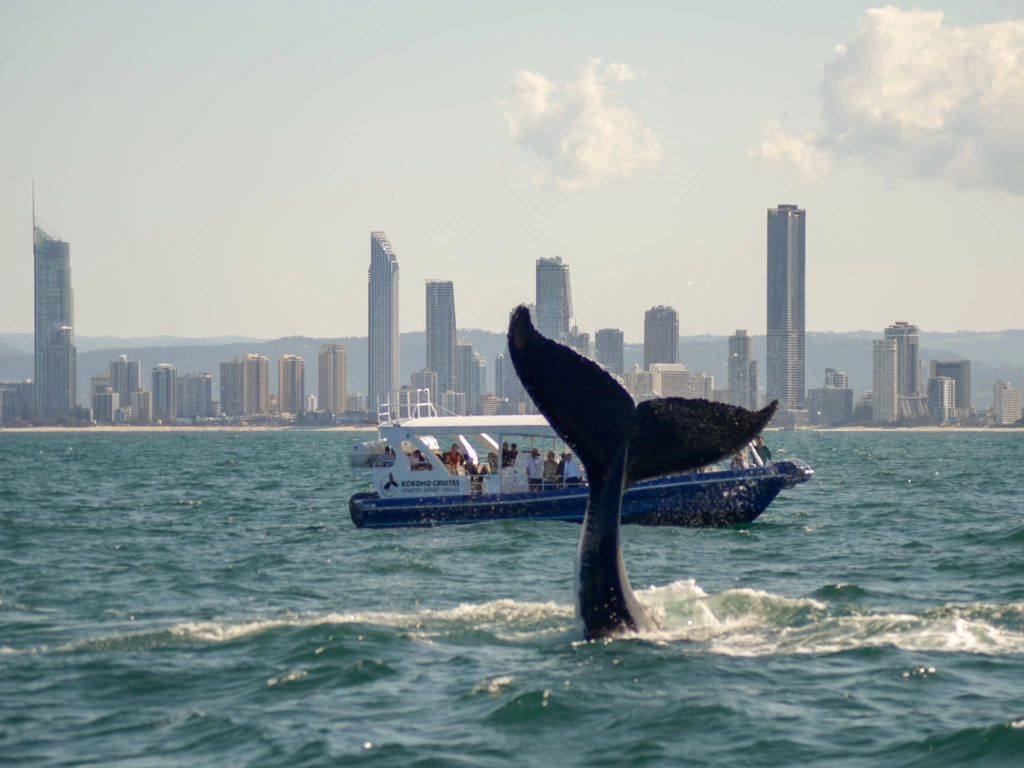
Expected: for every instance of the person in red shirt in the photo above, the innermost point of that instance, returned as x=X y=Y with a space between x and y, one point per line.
x=453 y=458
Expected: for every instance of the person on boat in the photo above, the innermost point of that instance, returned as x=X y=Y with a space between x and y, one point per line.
x=506 y=455
x=453 y=458
x=513 y=454
x=388 y=457
x=762 y=450
x=550 y=468
x=739 y=461
x=419 y=461
x=534 y=476
x=492 y=462
x=572 y=473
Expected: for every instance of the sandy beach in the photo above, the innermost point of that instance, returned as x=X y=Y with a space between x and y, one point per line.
x=111 y=428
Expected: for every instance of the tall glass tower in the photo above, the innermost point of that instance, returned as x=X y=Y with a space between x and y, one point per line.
x=55 y=355
x=441 y=357
x=383 y=319
x=554 y=299
x=661 y=336
x=786 y=374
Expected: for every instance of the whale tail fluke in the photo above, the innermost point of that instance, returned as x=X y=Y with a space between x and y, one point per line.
x=582 y=402
x=596 y=416
x=619 y=444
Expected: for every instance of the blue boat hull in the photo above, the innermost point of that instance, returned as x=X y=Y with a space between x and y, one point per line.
x=712 y=498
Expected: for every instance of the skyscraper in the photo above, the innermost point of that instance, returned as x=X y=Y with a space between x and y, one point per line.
x=383 y=319
x=908 y=358
x=55 y=355
x=332 y=373
x=195 y=396
x=609 y=349
x=255 y=385
x=786 y=363
x=1007 y=402
x=941 y=399
x=479 y=379
x=742 y=371
x=884 y=380
x=554 y=299
x=441 y=333
x=125 y=377
x=661 y=336
x=291 y=384
x=467 y=379
x=232 y=390
x=165 y=392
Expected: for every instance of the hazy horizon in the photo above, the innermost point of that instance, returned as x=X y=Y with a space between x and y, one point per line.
x=217 y=170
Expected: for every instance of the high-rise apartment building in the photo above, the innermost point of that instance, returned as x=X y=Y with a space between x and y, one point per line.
x=554 y=299
x=831 y=405
x=1006 y=402
x=960 y=372
x=472 y=374
x=786 y=341
x=195 y=396
x=742 y=370
x=639 y=384
x=125 y=377
x=670 y=380
x=141 y=403
x=507 y=385
x=165 y=392
x=441 y=339
x=382 y=339
x=232 y=388
x=908 y=358
x=291 y=384
x=55 y=355
x=478 y=376
x=17 y=401
x=884 y=380
x=609 y=345
x=105 y=405
x=332 y=374
x=255 y=385
x=942 y=399
x=661 y=336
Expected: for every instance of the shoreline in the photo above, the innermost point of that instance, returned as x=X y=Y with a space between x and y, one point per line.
x=151 y=428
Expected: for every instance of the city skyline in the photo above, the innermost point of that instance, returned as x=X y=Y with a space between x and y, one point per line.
x=284 y=157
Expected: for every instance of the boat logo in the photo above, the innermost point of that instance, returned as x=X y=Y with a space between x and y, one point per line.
x=390 y=486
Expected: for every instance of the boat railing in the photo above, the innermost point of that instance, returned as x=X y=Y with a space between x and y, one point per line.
x=402 y=404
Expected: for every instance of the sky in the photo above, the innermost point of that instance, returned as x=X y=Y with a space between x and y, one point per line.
x=217 y=167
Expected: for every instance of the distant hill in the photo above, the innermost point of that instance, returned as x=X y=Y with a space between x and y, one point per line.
x=993 y=355
x=23 y=342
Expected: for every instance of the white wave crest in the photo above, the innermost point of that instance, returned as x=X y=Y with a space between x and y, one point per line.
x=746 y=622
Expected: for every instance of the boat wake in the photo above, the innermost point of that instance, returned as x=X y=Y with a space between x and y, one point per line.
x=735 y=622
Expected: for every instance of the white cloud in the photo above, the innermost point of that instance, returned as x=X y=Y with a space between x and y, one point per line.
x=575 y=128
x=780 y=150
x=914 y=98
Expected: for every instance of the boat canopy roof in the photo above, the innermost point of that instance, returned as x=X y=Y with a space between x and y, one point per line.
x=524 y=426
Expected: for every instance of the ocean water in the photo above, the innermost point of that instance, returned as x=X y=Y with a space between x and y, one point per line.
x=204 y=599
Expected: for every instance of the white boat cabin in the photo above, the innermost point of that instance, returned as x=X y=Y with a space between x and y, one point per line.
x=416 y=455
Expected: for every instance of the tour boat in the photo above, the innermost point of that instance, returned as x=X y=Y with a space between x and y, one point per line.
x=413 y=486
